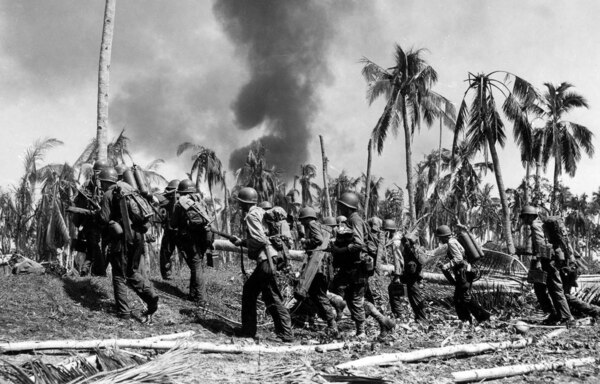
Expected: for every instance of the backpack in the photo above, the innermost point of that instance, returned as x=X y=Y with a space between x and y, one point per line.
x=195 y=211
x=139 y=210
x=557 y=235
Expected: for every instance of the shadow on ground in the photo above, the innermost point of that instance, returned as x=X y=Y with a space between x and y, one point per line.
x=91 y=292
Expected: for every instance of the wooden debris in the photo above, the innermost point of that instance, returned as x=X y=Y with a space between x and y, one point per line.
x=520 y=369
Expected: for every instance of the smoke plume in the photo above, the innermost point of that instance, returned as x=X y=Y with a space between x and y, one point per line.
x=284 y=44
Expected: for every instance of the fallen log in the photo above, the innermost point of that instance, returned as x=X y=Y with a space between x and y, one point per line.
x=159 y=345
x=515 y=370
x=172 y=336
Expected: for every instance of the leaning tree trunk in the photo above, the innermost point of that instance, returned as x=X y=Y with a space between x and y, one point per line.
x=503 y=201
x=325 y=178
x=103 y=79
x=409 y=178
x=212 y=201
x=554 y=205
x=368 y=178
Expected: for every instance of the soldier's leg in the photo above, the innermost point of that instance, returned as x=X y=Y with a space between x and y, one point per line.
x=197 y=281
x=581 y=308
x=167 y=247
x=94 y=251
x=119 y=281
x=416 y=300
x=250 y=293
x=462 y=311
x=318 y=293
x=555 y=289
x=86 y=266
x=474 y=307
x=355 y=298
x=543 y=298
x=140 y=285
x=395 y=293
x=274 y=302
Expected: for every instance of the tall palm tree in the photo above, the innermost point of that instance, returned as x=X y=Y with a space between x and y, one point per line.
x=485 y=128
x=307 y=173
x=257 y=174
x=205 y=164
x=409 y=100
x=562 y=139
x=103 y=78
x=373 y=203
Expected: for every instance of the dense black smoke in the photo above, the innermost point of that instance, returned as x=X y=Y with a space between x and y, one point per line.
x=284 y=44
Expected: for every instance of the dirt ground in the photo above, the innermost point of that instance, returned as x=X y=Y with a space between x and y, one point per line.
x=48 y=307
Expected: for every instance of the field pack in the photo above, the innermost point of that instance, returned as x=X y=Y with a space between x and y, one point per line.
x=196 y=212
x=557 y=235
x=138 y=210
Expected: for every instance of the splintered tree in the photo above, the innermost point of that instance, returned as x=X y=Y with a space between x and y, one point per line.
x=485 y=129
x=103 y=78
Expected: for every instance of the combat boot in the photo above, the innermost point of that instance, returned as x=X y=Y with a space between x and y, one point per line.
x=386 y=325
x=338 y=304
x=360 y=330
x=332 y=329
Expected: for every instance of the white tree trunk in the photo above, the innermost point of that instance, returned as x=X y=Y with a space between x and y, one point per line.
x=103 y=79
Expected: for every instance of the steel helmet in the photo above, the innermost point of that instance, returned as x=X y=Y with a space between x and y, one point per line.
x=375 y=223
x=108 y=175
x=389 y=225
x=341 y=219
x=186 y=186
x=265 y=205
x=248 y=195
x=443 y=231
x=329 y=221
x=307 y=213
x=529 y=210
x=100 y=165
x=349 y=199
x=121 y=168
x=173 y=185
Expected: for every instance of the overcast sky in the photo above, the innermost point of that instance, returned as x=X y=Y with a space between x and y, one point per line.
x=179 y=66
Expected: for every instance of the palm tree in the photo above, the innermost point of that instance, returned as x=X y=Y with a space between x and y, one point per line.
x=561 y=139
x=103 y=78
x=205 y=163
x=409 y=99
x=257 y=174
x=373 y=203
x=486 y=129
x=307 y=173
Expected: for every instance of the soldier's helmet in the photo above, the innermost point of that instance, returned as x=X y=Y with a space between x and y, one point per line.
x=265 y=205
x=186 y=186
x=349 y=199
x=329 y=221
x=248 y=195
x=173 y=185
x=375 y=223
x=99 y=165
x=108 y=175
x=341 y=219
x=443 y=231
x=389 y=225
x=529 y=210
x=121 y=168
x=307 y=213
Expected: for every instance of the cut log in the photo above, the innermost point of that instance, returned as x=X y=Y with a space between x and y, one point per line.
x=172 y=336
x=423 y=354
x=227 y=246
x=514 y=370
x=159 y=345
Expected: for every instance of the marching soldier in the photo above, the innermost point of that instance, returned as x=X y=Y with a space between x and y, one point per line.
x=316 y=240
x=190 y=220
x=375 y=246
x=124 y=255
x=458 y=270
x=262 y=280
x=550 y=294
x=168 y=242
x=394 y=251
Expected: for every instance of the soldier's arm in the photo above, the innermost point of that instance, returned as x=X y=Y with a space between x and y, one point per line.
x=105 y=209
x=455 y=254
x=397 y=256
x=538 y=239
x=358 y=237
x=255 y=228
x=176 y=218
x=314 y=237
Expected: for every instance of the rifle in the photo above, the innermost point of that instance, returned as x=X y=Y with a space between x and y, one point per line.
x=80 y=211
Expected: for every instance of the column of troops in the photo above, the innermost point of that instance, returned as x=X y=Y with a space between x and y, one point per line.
x=342 y=264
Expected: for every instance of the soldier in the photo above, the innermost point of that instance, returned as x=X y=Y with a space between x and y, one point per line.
x=168 y=243
x=316 y=240
x=550 y=295
x=375 y=246
x=577 y=306
x=458 y=270
x=394 y=251
x=95 y=262
x=262 y=280
x=351 y=258
x=190 y=220
x=124 y=256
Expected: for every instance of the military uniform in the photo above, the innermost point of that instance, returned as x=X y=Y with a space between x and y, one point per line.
x=194 y=242
x=168 y=242
x=262 y=280
x=375 y=249
x=551 y=295
x=125 y=258
x=350 y=280
x=460 y=268
x=95 y=261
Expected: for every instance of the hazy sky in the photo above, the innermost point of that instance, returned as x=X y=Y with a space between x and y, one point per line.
x=178 y=69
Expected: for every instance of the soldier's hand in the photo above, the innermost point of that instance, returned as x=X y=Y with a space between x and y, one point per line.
x=440 y=265
x=236 y=241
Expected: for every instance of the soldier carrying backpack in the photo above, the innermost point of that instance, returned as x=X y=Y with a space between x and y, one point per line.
x=191 y=220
